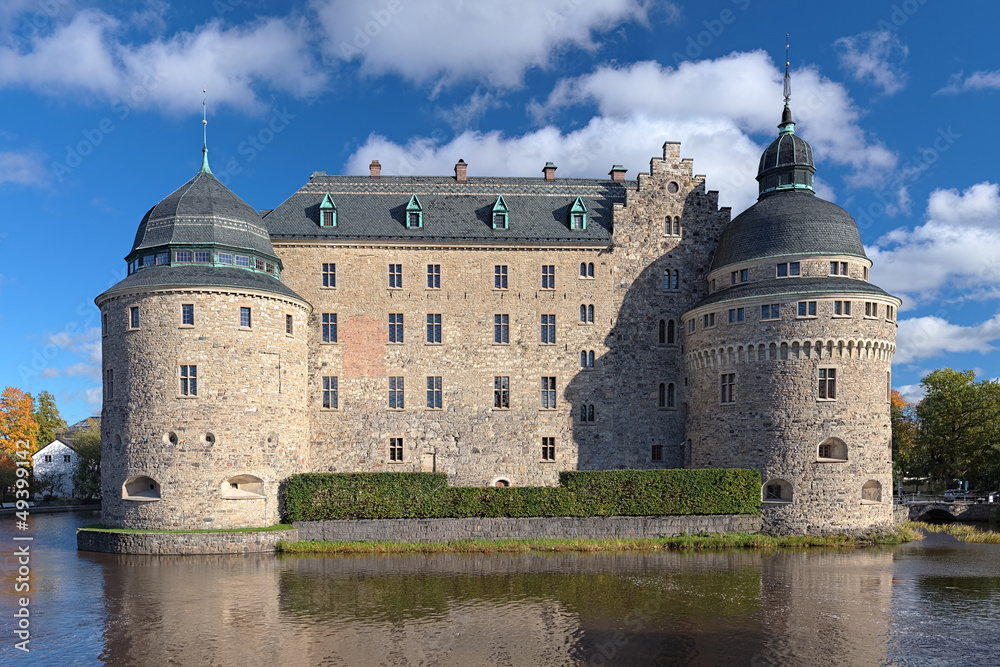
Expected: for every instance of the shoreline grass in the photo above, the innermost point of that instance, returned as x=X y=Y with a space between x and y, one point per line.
x=100 y=528
x=701 y=542
x=961 y=532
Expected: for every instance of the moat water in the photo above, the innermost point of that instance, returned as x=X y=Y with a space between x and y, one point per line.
x=935 y=602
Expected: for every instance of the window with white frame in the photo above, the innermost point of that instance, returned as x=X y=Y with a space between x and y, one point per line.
x=827 y=384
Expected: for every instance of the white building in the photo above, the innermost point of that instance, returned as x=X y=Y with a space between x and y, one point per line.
x=57 y=458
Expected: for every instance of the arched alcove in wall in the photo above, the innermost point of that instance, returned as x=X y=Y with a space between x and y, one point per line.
x=243 y=487
x=141 y=488
x=776 y=491
x=871 y=492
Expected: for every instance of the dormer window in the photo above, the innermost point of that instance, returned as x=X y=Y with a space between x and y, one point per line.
x=578 y=216
x=182 y=256
x=327 y=212
x=163 y=258
x=500 y=212
x=414 y=214
x=203 y=257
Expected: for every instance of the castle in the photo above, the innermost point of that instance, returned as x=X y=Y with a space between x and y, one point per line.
x=498 y=330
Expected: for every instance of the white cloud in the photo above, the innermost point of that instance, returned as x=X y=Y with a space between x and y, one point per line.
x=452 y=40
x=975 y=81
x=717 y=146
x=874 y=57
x=957 y=249
x=912 y=393
x=23 y=168
x=742 y=89
x=94 y=399
x=83 y=57
x=931 y=336
x=90 y=370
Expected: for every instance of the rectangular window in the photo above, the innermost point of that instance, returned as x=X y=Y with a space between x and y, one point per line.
x=548 y=449
x=549 y=276
x=67 y=458
x=577 y=221
x=133 y=317
x=147 y=260
x=187 y=314
x=331 y=389
x=708 y=320
x=842 y=308
x=433 y=276
x=329 y=327
x=434 y=393
x=162 y=258
x=501 y=392
x=434 y=329
x=890 y=313
x=413 y=220
x=770 y=312
x=727 y=388
x=104 y=324
x=736 y=315
x=396 y=450
x=788 y=269
x=327 y=218
x=871 y=309
x=828 y=384
x=807 y=309
x=395 y=393
x=289 y=325
x=499 y=220
x=782 y=270
x=732 y=278
x=182 y=256
x=548 y=393
x=245 y=320
x=500 y=276
x=793 y=268
x=838 y=268
x=242 y=260
x=691 y=325
x=48 y=458
x=109 y=383
x=548 y=330
x=203 y=257
x=329 y=275
x=744 y=275
x=501 y=329
x=189 y=380
x=395 y=276
x=225 y=258
x=395 y=327
x=259 y=264
x=657 y=453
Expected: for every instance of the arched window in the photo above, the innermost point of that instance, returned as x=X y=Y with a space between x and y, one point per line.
x=583 y=412
x=776 y=491
x=663 y=332
x=676 y=279
x=243 y=487
x=590 y=413
x=583 y=313
x=586 y=358
x=662 y=395
x=590 y=359
x=141 y=488
x=871 y=492
x=677 y=226
x=671 y=395
x=583 y=269
x=590 y=270
x=668 y=226
x=590 y=313
x=832 y=449
x=586 y=413
x=671 y=332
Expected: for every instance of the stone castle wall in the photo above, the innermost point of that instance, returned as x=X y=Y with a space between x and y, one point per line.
x=247 y=419
x=778 y=422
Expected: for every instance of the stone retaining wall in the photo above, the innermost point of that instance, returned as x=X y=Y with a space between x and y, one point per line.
x=182 y=544
x=442 y=530
x=961 y=511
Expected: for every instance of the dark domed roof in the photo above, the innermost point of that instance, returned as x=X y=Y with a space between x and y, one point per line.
x=203 y=211
x=788 y=222
x=785 y=151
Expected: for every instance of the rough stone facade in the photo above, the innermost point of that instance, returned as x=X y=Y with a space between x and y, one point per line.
x=565 y=528
x=182 y=544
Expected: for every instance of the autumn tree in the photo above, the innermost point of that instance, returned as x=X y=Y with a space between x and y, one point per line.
x=17 y=422
x=47 y=415
x=903 y=416
x=959 y=431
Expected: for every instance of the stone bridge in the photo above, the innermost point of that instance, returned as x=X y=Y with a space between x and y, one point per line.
x=954 y=511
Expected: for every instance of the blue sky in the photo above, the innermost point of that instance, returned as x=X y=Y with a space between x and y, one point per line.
x=102 y=106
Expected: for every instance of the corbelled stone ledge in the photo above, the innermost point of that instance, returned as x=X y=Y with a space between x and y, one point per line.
x=496 y=528
x=182 y=544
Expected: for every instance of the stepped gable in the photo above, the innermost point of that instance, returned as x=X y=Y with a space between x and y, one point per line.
x=375 y=208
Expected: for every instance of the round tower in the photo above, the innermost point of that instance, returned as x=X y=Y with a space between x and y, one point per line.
x=204 y=358
x=788 y=357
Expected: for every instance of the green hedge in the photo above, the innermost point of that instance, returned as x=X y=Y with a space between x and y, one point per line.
x=416 y=495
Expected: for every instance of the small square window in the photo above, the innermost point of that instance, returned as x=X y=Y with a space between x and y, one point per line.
x=203 y=257
x=162 y=258
x=548 y=449
x=657 y=453
x=770 y=311
x=182 y=256
x=242 y=260
x=225 y=258
x=67 y=458
x=807 y=309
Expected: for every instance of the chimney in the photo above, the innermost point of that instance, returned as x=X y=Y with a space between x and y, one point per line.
x=460 y=169
x=617 y=173
x=376 y=169
x=550 y=171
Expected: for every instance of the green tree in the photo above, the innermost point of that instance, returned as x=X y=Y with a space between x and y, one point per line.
x=47 y=416
x=959 y=432
x=87 y=474
x=903 y=417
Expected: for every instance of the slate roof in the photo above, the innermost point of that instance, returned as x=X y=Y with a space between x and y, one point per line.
x=374 y=209
x=203 y=211
x=788 y=149
x=798 y=287
x=788 y=222
x=193 y=276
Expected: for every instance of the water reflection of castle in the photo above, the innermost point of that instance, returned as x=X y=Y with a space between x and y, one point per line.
x=749 y=608
x=499 y=330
